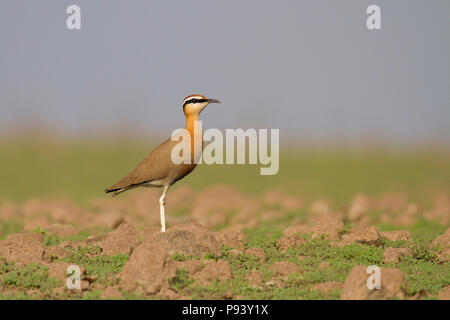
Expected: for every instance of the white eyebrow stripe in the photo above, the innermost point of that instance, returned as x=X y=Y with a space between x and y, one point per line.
x=193 y=97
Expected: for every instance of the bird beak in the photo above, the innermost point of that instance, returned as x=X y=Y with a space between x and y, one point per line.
x=213 y=101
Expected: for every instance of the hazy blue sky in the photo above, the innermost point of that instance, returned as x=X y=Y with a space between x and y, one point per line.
x=310 y=68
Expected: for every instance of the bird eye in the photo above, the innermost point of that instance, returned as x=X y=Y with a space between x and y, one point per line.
x=194 y=100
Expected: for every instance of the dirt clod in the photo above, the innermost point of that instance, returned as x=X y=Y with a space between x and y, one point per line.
x=355 y=286
x=230 y=238
x=400 y=235
x=148 y=269
x=112 y=292
x=395 y=254
x=256 y=252
x=120 y=241
x=23 y=247
x=189 y=239
x=290 y=242
x=444 y=294
x=192 y=266
x=325 y=223
x=255 y=278
x=214 y=270
x=59 y=270
x=443 y=241
x=284 y=268
x=363 y=235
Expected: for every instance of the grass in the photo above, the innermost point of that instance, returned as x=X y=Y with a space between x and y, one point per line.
x=100 y=266
x=421 y=270
x=22 y=279
x=81 y=170
x=423 y=231
x=26 y=278
x=55 y=239
x=10 y=226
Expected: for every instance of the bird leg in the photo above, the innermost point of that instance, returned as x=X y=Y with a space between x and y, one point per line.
x=162 y=202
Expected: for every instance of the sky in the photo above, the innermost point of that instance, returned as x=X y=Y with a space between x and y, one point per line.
x=310 y=68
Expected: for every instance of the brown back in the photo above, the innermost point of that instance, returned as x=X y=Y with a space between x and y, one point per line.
x=156 y=166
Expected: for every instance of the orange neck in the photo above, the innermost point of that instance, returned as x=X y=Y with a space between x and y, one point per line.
x=196 y=133
x=190 y=120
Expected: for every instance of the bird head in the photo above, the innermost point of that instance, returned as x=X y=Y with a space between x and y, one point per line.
x=195 y=103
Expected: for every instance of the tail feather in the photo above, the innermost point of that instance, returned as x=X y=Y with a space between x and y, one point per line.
x=116 y=191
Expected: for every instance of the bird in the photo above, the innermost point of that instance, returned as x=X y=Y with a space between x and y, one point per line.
x=157 y=169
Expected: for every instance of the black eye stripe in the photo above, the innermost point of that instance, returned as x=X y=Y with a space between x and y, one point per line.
x=195 y=100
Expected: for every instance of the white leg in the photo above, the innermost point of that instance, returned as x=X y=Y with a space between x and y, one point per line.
x=162 y=202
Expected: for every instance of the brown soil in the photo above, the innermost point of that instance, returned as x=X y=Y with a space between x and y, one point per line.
x=355 y=286
x=395 y=254
x=363 y=235
x=284 y=268
x=443 y=241
x=130 y=225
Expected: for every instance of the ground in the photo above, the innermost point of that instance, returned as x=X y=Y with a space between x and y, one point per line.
x=309 y=232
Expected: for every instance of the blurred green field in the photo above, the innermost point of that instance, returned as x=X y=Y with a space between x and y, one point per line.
x=81 y=170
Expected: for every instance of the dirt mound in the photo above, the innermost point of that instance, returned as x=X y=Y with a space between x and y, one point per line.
x=443 y=241
x=284 y=268
x=112 y=292
x=151 y=262
x=395 y=254
x=189 y=239
x=219 y=270
x=444 y=294
x=400 y=235
x=441 y=209
x=279 y=198
x=148 y=269
x=359 y=206
x=320 y=206
x=255 y=278
x=40 y=222
x=325 y=223
x=122 y=240
x=355 y=286
x=297 y=230
x=55 y=252
x=58 y=270
x=150 y=265
x=257 y=253
x=230 y=238
x=363 y=235
x=59 y=210
x=328 y=224
x=23 y=247
x=290 y=242
x=192 y=266
x=10 y=211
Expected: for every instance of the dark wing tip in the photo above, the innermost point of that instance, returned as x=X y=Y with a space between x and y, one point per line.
x=110 y=189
